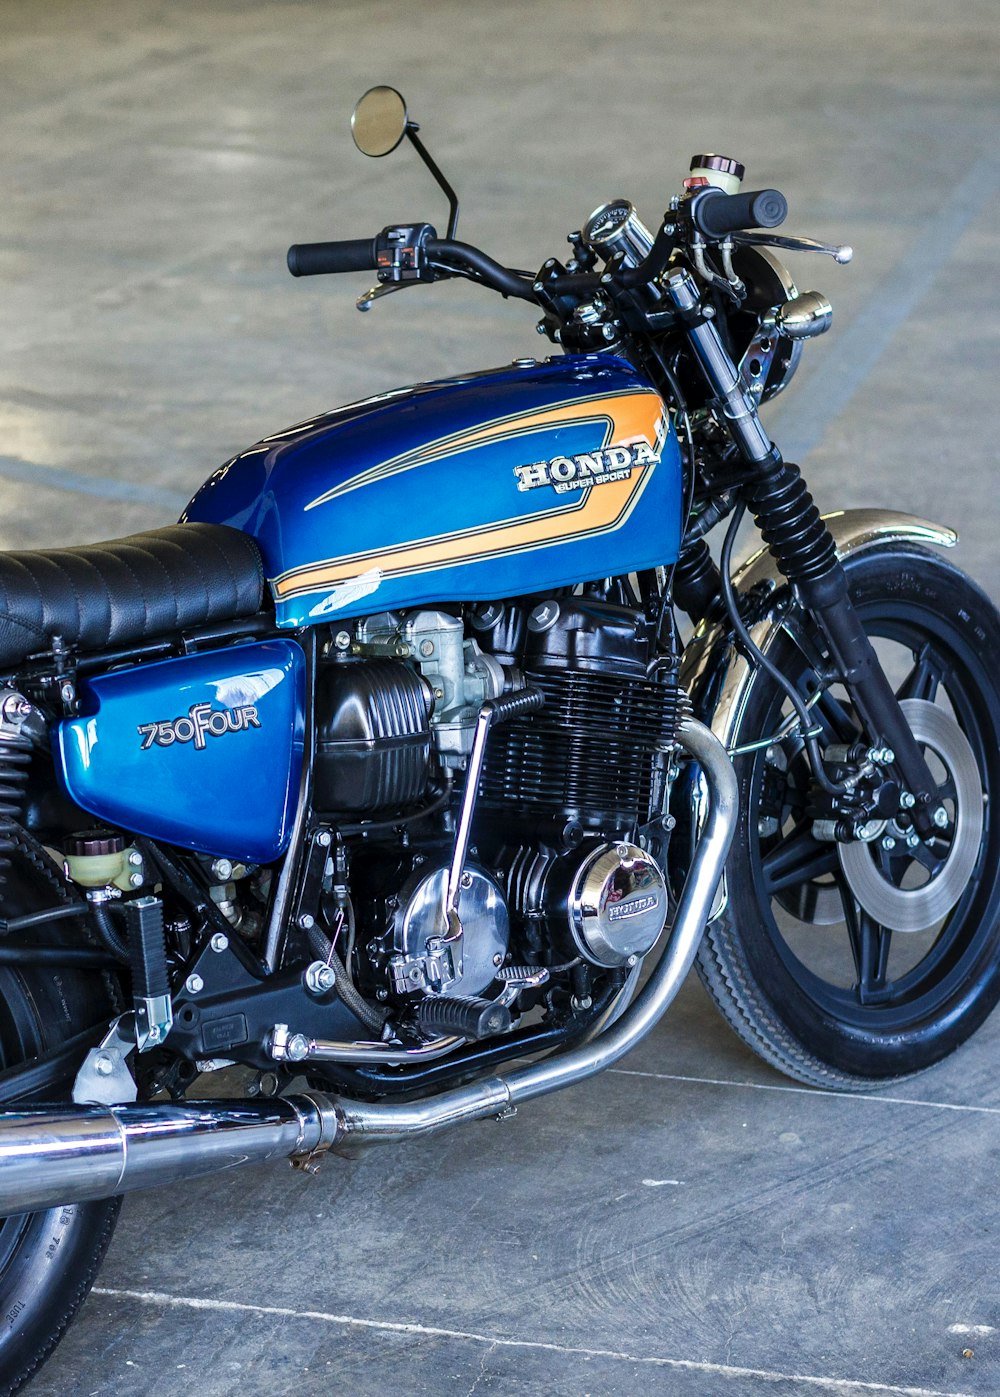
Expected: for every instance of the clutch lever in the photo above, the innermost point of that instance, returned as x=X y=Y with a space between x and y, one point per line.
x=842 y=254
x=384 y=288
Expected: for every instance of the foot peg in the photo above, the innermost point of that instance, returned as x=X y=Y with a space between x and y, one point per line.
x=462 y=1016
x=150 y=981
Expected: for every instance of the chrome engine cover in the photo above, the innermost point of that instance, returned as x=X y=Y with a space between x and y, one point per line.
x=618 y=905
x=426 y=960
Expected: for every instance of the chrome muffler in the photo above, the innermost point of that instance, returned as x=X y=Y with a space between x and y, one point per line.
x=52 y=1155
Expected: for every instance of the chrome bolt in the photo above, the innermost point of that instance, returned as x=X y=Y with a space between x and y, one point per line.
x=498 y=960
x=907 y=800
x=940 y=817
x=888 y=843
x=466 y=880
x=135 y=880
x=219 y=942
x=320 y=977
x=342 y=640
x=669 y=822
x=881 y=756
x=298 y=1047
x=306 y=921
x=323 y=839
x=134 y=858
x=632 y=960
x=609 y=332
x=771 y=754
x=194 y=984
x=153 y=1032
x=103 y=1065
x=912 y=839
x=622 y=850
x=381 y=996
x=222 y=869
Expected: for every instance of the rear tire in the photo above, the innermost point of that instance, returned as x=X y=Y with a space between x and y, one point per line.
x=48 y=1260
x=798 y=968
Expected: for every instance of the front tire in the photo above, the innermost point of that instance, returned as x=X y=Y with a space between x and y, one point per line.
x=798 y=967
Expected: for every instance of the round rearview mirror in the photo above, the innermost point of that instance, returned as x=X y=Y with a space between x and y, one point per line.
x=378 y=122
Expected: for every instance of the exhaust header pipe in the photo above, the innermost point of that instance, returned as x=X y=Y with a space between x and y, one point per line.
x=52 y=1155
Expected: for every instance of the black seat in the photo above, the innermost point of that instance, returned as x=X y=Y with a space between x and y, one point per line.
x=126 y=591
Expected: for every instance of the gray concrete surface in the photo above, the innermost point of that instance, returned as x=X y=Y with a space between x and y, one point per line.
x=691 y=1224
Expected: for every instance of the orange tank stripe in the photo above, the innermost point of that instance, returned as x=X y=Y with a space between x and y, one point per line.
x=601 y=508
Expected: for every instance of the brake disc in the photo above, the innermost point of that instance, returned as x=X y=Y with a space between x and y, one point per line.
x=919 y=908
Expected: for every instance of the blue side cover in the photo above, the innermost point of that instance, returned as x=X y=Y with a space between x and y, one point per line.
x=203 y=751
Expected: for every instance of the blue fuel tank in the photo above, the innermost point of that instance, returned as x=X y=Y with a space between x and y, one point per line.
x=492 y=485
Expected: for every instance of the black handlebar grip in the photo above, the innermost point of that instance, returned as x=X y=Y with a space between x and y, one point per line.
x=316 y=259
x=716 y=215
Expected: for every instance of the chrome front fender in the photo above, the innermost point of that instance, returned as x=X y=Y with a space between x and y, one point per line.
x=719 y=680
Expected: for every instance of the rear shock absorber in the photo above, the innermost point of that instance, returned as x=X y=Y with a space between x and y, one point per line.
x=15 y=757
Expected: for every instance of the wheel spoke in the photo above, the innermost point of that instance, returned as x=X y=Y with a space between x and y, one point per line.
x=923 y=679
x=870 y=944
x=926 y=857
x=834 y=718
x=797 y=859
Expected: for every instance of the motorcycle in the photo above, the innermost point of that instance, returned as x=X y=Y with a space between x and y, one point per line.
x=391 y=774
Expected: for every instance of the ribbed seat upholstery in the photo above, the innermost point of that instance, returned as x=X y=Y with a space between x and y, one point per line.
x=126 y=591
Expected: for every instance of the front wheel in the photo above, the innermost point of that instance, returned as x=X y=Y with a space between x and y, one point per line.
x=845 y=965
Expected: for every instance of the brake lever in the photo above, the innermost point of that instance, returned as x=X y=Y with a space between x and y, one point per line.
x=842 y=254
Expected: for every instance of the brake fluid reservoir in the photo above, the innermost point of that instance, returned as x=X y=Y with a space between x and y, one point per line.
x=717 y=170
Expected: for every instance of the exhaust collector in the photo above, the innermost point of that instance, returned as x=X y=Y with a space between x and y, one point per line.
x=61 y=1154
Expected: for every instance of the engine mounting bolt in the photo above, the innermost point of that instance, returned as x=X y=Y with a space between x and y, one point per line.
x=940 y=817
x=669 y=822
x=194 y=984
x=103 y=1065
x=134 y=858
x=135 y=880
x=888 y=843
x=342 y=640
x=298 y=1047
x=222 y=869
x=219 y=942
x=320 y=977
x=907 y=800
x=323 y=839
x=306 y=921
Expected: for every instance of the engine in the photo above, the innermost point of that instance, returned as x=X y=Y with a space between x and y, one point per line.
x=564 y=878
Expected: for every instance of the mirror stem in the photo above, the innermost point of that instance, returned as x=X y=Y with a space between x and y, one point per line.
x=411 y=130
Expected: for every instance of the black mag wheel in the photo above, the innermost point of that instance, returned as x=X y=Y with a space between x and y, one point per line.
x=845 y=965
x=49 y=1259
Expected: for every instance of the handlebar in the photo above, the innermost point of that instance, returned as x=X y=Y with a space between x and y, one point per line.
x=716 y=214
x=317 y=259
x=422 y=250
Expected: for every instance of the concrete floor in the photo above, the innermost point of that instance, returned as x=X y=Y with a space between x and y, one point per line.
x=692 y=1223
